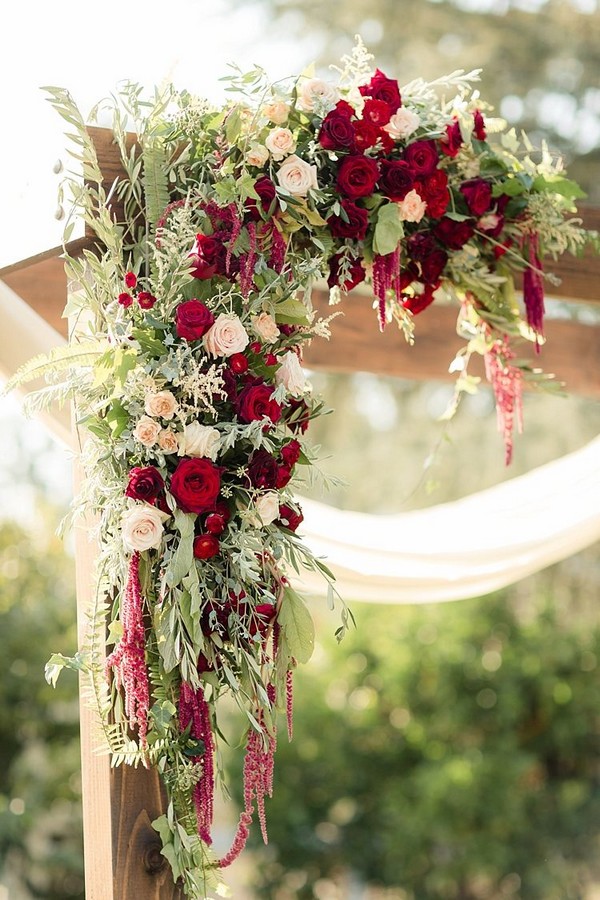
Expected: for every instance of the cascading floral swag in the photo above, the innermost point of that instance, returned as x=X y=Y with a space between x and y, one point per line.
x=186 y=372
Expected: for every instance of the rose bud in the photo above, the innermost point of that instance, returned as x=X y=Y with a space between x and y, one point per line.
x=125 y=299
x=238 y=363
x=206 y=546
x=214 y=523
x=270 y=359
x=146 y=300
x=255 y=347
x=130 y=280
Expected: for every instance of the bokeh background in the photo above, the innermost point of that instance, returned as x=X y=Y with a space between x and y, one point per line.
x=440 y=752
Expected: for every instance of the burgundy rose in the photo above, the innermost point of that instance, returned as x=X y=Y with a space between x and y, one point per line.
x=451 y=143
x=265 y=189
x=290 y=453
x=230 y=385
x=420 y=245
x=215 y=523
x=206 y=546
x=357 y=176
x=146 y=299
x=479 y=126
x=422 y=157
x=289 y=518
x=337 y=131
x=193 y=319
x=353 y=223
x=419 y=302
x=262 y=470
x=283 y=477
x=491 y=224
x=377 y=112
x=383 y=88
x=345 y=279
x=434 y=190
x=366 y=134
x=205 y=254
x=432 y=265
x=478 y=194
x=195 y=484
x=264 y=613
x=396 y=179
x=255 y=402
x=453 y=234
x=145 y=483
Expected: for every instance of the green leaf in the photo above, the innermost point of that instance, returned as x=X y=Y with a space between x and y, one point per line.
x=296 y=621
x=389 y=229
x=183 y=559
x=291 y=312
x=58 y=662
x=556 y=184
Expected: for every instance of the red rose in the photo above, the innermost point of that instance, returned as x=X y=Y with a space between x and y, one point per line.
x=422 y=157
x=205 y=254
x=396 y=179
x=262 y=470
x=353 y=222
x=215 y=523
x=366 y=134
x=377 y=112
x=478 y=194
x=435 y=193
x=337 y=131
x=238 y=363
x=265 y=189
x=289 y=518
x=290 y=453
x=125 y=299
x=344 y=108
x=453 y=234
x=479 y=126
x=432 y=265
x=146 y=299
x=255 y=402
x=206 y=546
x=193 y=319
x=354 y=275
x=421 y=301
x=130 y=279
x=283 y=476
x=357 y=176
x=451 y=142
x=383 y=88
x=195 y=485
x=144 y=484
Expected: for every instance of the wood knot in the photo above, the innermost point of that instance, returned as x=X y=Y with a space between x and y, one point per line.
x=154 y=861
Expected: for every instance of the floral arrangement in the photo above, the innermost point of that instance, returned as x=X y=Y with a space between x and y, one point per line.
x=185 y=366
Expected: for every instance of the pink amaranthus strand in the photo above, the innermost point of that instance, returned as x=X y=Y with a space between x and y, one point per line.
x=247 y=262
x=258 y=784
x=195 y=713
x=278 y=249
x=128 y=659
x=533 y=288
x=386 y=277
x=507 y=384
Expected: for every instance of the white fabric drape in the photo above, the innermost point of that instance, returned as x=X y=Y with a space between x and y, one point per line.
x=452 y=551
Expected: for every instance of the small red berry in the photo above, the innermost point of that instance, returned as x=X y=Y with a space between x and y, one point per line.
x=238 y=363
x=205 y=546
x=130 y=280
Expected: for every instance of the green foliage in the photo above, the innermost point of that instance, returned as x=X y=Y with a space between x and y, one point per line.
x=447 y=752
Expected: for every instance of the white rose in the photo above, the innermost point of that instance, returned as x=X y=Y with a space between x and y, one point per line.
x=296 y=176
x=167 y=441
x=402 y=124
x=412 y=208
x=226 y=337
x=267 y=507
x=199 y=440
x=315 y=91
x=265 y=327
x=290 y=374
x=142 y=527
x=277 y=111
x=146 y=431
x=280 y=142
x=257 y=155
x=161 y=404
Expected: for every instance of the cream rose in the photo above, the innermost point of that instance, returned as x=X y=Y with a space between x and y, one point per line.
x=402 y=124
x=265 y=327
x=412 y=208
x=315 y=91
x=277 y=111
x=146 y=431
x=296 y=176
x=199 y=440
x=267 y=507
x=290 y=374
x=280 y=143
x=226 y=337
x=167 y=441
x=257 y=155
x=142 y=527
x=162 y=404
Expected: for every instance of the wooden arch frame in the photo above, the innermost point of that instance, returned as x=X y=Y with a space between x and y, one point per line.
x=122 y=851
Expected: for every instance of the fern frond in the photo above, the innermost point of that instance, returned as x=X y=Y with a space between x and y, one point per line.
x=39 y=401
x=156 y=187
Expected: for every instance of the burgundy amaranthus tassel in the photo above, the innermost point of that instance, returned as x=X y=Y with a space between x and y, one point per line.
x=247 y=262
x=507 y=384
x=194 y=711
x=278 y=248
x=386 y=277
x=289 y=702
x=533 y=288
x=128 y=659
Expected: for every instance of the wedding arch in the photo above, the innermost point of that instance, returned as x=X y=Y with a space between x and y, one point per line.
x=120 y=804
